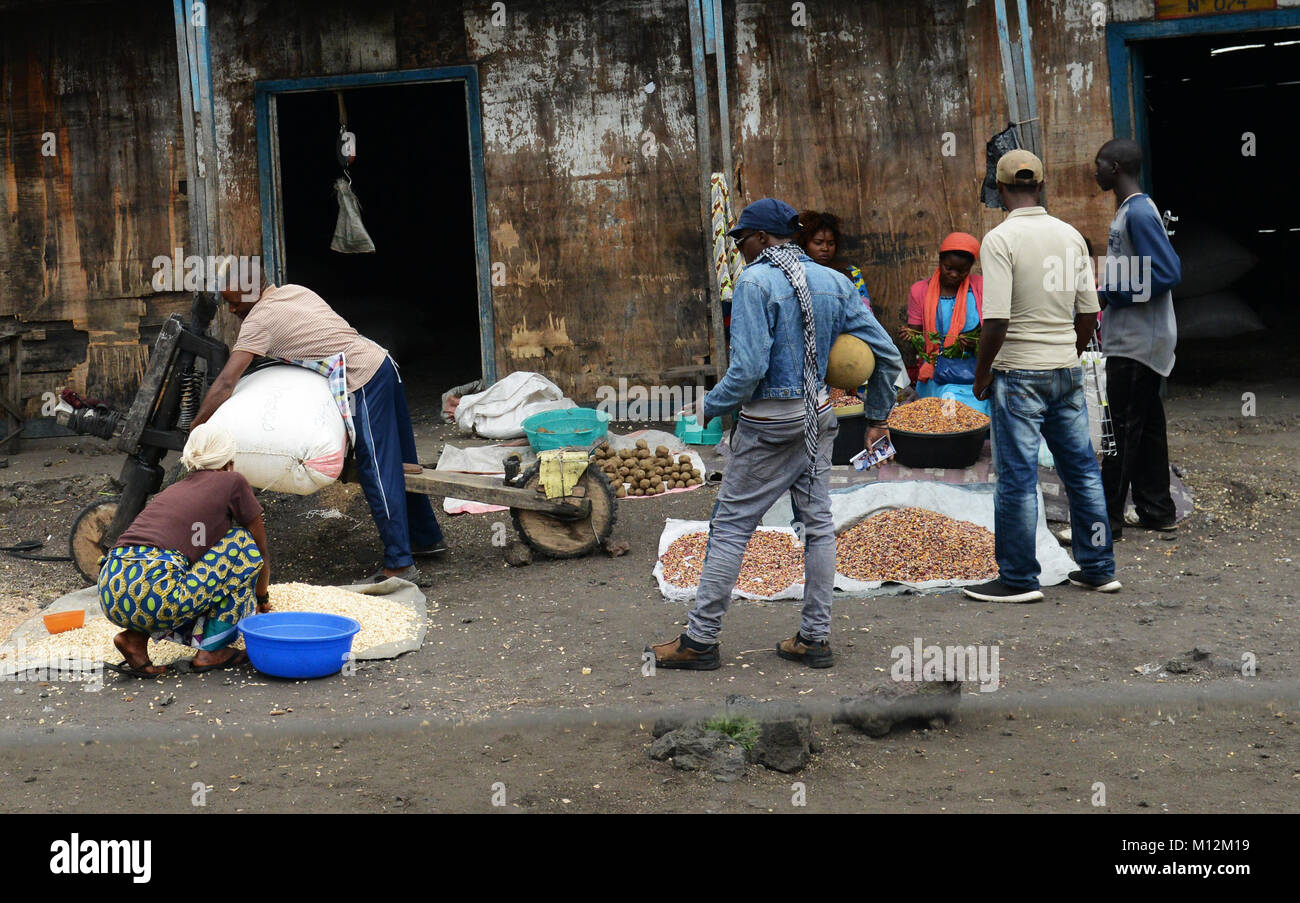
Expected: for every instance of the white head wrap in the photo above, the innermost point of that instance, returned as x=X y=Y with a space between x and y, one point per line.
x=208 y=448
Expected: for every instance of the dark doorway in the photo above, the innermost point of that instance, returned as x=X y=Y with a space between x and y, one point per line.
x=417 y=295
x=1205 y=95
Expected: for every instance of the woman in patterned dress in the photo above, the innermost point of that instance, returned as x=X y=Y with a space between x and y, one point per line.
x=191 y=565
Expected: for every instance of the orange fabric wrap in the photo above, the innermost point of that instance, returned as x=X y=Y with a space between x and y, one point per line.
x=931 y=322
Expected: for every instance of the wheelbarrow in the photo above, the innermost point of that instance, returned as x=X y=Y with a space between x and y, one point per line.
x=561 y=507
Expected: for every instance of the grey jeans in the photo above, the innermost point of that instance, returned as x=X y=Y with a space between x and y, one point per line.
x=767 y=461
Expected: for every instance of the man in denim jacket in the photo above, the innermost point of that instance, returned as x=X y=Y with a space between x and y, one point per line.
x=769 y=454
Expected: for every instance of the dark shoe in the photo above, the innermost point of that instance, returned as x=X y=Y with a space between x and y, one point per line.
x=997 y=591
x=686 y=655
x=1101 y=585
x=429 y=551
x=814 y=655
x=1132 y=520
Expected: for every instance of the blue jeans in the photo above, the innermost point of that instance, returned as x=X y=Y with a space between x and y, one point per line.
x=384 y=441
x=1025 y=404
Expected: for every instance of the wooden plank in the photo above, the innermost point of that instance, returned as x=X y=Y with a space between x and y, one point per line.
x=13 y=391
x=704 y=164
x=142 y=407
x=491 y=491
x=62 y=348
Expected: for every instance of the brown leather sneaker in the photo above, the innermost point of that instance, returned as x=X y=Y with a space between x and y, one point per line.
x=676 y=654
x=818 y=655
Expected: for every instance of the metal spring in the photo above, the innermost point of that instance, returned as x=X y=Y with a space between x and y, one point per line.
x=191 y=393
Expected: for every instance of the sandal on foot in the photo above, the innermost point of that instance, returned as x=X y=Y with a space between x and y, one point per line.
x=235 y=660
x=411 y=574
x=129 y=670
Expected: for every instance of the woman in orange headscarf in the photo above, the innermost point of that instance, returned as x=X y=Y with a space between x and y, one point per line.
x=948 y=305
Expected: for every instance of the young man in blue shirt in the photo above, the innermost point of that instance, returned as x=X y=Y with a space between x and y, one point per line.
x=786 y=312
x=1138 y=336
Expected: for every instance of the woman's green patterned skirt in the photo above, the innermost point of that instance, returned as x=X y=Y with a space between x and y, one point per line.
x=158 y=592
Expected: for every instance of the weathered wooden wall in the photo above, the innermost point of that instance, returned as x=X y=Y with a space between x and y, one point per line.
x=1073 y=81
x=849 y=113
x=79 y=227
x=592 y=202
x=591 y=179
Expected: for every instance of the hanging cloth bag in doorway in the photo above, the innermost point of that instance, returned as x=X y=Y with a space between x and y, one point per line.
x=350 y=235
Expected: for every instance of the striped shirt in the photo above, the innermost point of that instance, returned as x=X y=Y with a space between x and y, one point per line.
x=293 y=322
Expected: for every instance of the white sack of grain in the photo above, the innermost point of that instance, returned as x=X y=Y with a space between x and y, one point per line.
x=1218 y=315
x=288 y=430
x=500 y=412
x=1211 y=259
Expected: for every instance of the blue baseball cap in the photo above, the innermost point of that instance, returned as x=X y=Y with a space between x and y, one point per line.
x=767 y=215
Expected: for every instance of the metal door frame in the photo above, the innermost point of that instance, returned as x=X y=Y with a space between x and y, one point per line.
x=268 y=167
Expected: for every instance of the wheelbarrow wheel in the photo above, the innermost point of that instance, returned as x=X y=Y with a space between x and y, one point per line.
x=86 y=543
x=568 y=538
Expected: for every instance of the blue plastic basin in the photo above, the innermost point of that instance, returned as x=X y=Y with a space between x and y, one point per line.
x=567 y=426
x=298 y=644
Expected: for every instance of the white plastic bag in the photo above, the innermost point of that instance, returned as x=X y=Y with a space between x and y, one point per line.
x=350 y=235
x=289 y=434
x=499 y=412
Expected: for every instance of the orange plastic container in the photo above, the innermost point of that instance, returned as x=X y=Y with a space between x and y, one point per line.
x=64 y=620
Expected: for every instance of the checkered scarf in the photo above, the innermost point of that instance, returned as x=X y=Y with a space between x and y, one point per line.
x=786 y=258
x=335 y=370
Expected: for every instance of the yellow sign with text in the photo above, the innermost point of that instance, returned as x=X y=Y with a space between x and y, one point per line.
x=1181 y=9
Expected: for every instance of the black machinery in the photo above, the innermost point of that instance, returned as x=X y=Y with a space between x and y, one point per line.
x=158 y=422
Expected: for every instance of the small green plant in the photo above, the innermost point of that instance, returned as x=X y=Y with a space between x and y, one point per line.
x=743 y=730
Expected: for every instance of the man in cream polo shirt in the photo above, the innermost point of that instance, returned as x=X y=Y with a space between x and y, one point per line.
x=1040 y=310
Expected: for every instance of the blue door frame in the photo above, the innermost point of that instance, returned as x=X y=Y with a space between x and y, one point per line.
x=1128 y=68
x=268 y=164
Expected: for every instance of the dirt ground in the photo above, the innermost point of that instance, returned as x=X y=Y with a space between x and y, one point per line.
x=500 y=693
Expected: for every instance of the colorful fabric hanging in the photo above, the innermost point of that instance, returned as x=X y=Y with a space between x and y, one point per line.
x=726 y=256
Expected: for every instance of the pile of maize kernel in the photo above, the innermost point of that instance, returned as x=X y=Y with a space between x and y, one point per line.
x=936 y=415
x=382 y=621
x=773 y=562
x=913 y=545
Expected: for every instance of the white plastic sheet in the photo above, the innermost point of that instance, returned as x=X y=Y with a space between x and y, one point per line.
x=675 y=529
x=973 y=503
x=394 y=589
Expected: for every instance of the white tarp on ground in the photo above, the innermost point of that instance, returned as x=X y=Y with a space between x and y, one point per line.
x=402 y=592
x=973 y=503
x=674 y=529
